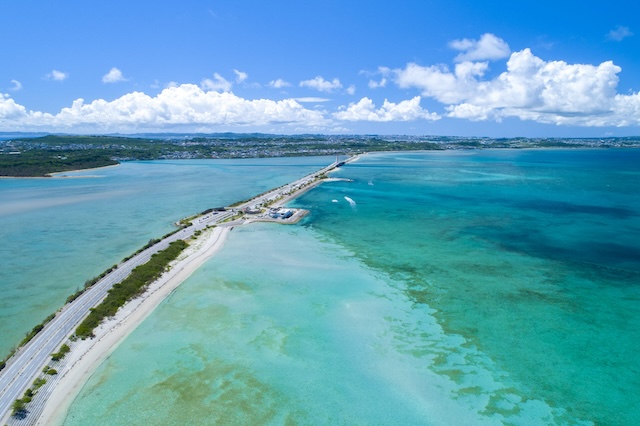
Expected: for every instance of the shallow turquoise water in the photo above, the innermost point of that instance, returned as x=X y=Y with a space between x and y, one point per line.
x=57 y=233
x=476 y=287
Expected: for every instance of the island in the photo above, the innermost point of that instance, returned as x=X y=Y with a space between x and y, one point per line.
x=40 y=156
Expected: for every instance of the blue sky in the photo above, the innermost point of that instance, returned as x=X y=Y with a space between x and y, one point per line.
x=468 y=68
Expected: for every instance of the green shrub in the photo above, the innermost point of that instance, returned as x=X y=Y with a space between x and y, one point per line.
x=130 y=287
x=17 y=407
x=64 y=349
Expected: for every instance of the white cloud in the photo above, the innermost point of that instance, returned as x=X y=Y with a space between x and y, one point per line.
x=113 y=76
x=365 y=110
x=351 y=90
x=311 y=99
x=240 y=76
x=218 y=83
x=279 y=84
x=619 y=33
x=489 y=47
x=184 y=105
x=531 y=89
x=437 y=81
x=10 y=111
x=384 y=72
x=17 y=86
x=321 y=84
x=57 y=75
x=376 y=84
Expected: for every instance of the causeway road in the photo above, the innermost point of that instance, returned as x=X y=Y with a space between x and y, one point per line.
x=27 y=363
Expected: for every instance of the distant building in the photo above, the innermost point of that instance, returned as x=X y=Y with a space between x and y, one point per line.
x=280 y=213
x=252 y=210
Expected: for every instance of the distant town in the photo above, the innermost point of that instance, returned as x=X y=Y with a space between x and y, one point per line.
x=41 y=154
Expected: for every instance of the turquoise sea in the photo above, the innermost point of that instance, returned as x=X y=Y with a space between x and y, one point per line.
x=437 y=288
x=57 y=233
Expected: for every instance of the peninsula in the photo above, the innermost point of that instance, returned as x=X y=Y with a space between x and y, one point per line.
x=33 y=385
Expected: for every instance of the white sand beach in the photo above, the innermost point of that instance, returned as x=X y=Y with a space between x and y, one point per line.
x=87 y=355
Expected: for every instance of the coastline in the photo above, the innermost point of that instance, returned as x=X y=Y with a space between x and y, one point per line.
x=87 y=355
x=54 y=174
x=60 y=175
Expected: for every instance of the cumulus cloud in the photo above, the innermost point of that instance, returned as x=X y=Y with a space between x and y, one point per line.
x=17 y=86
x=489 y=47
x=279 y=84
x=531 y=89
x=113 y=76
x=438 y=82
x=184 y=105
x=10 y=111
x=365 y=110
x=351 y=90
x=240 y=76
x=56 y=75
x=219 y=83
x=619 y=33
x=322 y=85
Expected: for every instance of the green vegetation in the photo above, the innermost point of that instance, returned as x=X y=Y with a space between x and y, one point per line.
x=64 y=349
x=19 y=405
x=232 y=218
x=30 y=335
x=130 y=287
x=90 y=283
x=3 y=362
x=39 y=156
x=153 y=242
x=41 y=163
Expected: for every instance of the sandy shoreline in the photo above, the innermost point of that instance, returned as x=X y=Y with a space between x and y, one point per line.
x=87 y=355
x=61 y=175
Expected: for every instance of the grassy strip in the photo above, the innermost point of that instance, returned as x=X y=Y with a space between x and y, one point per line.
x=130 y=287
x=74 y=296
x=152 y=243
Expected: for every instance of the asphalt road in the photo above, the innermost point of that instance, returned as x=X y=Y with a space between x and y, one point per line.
x=27 y=363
